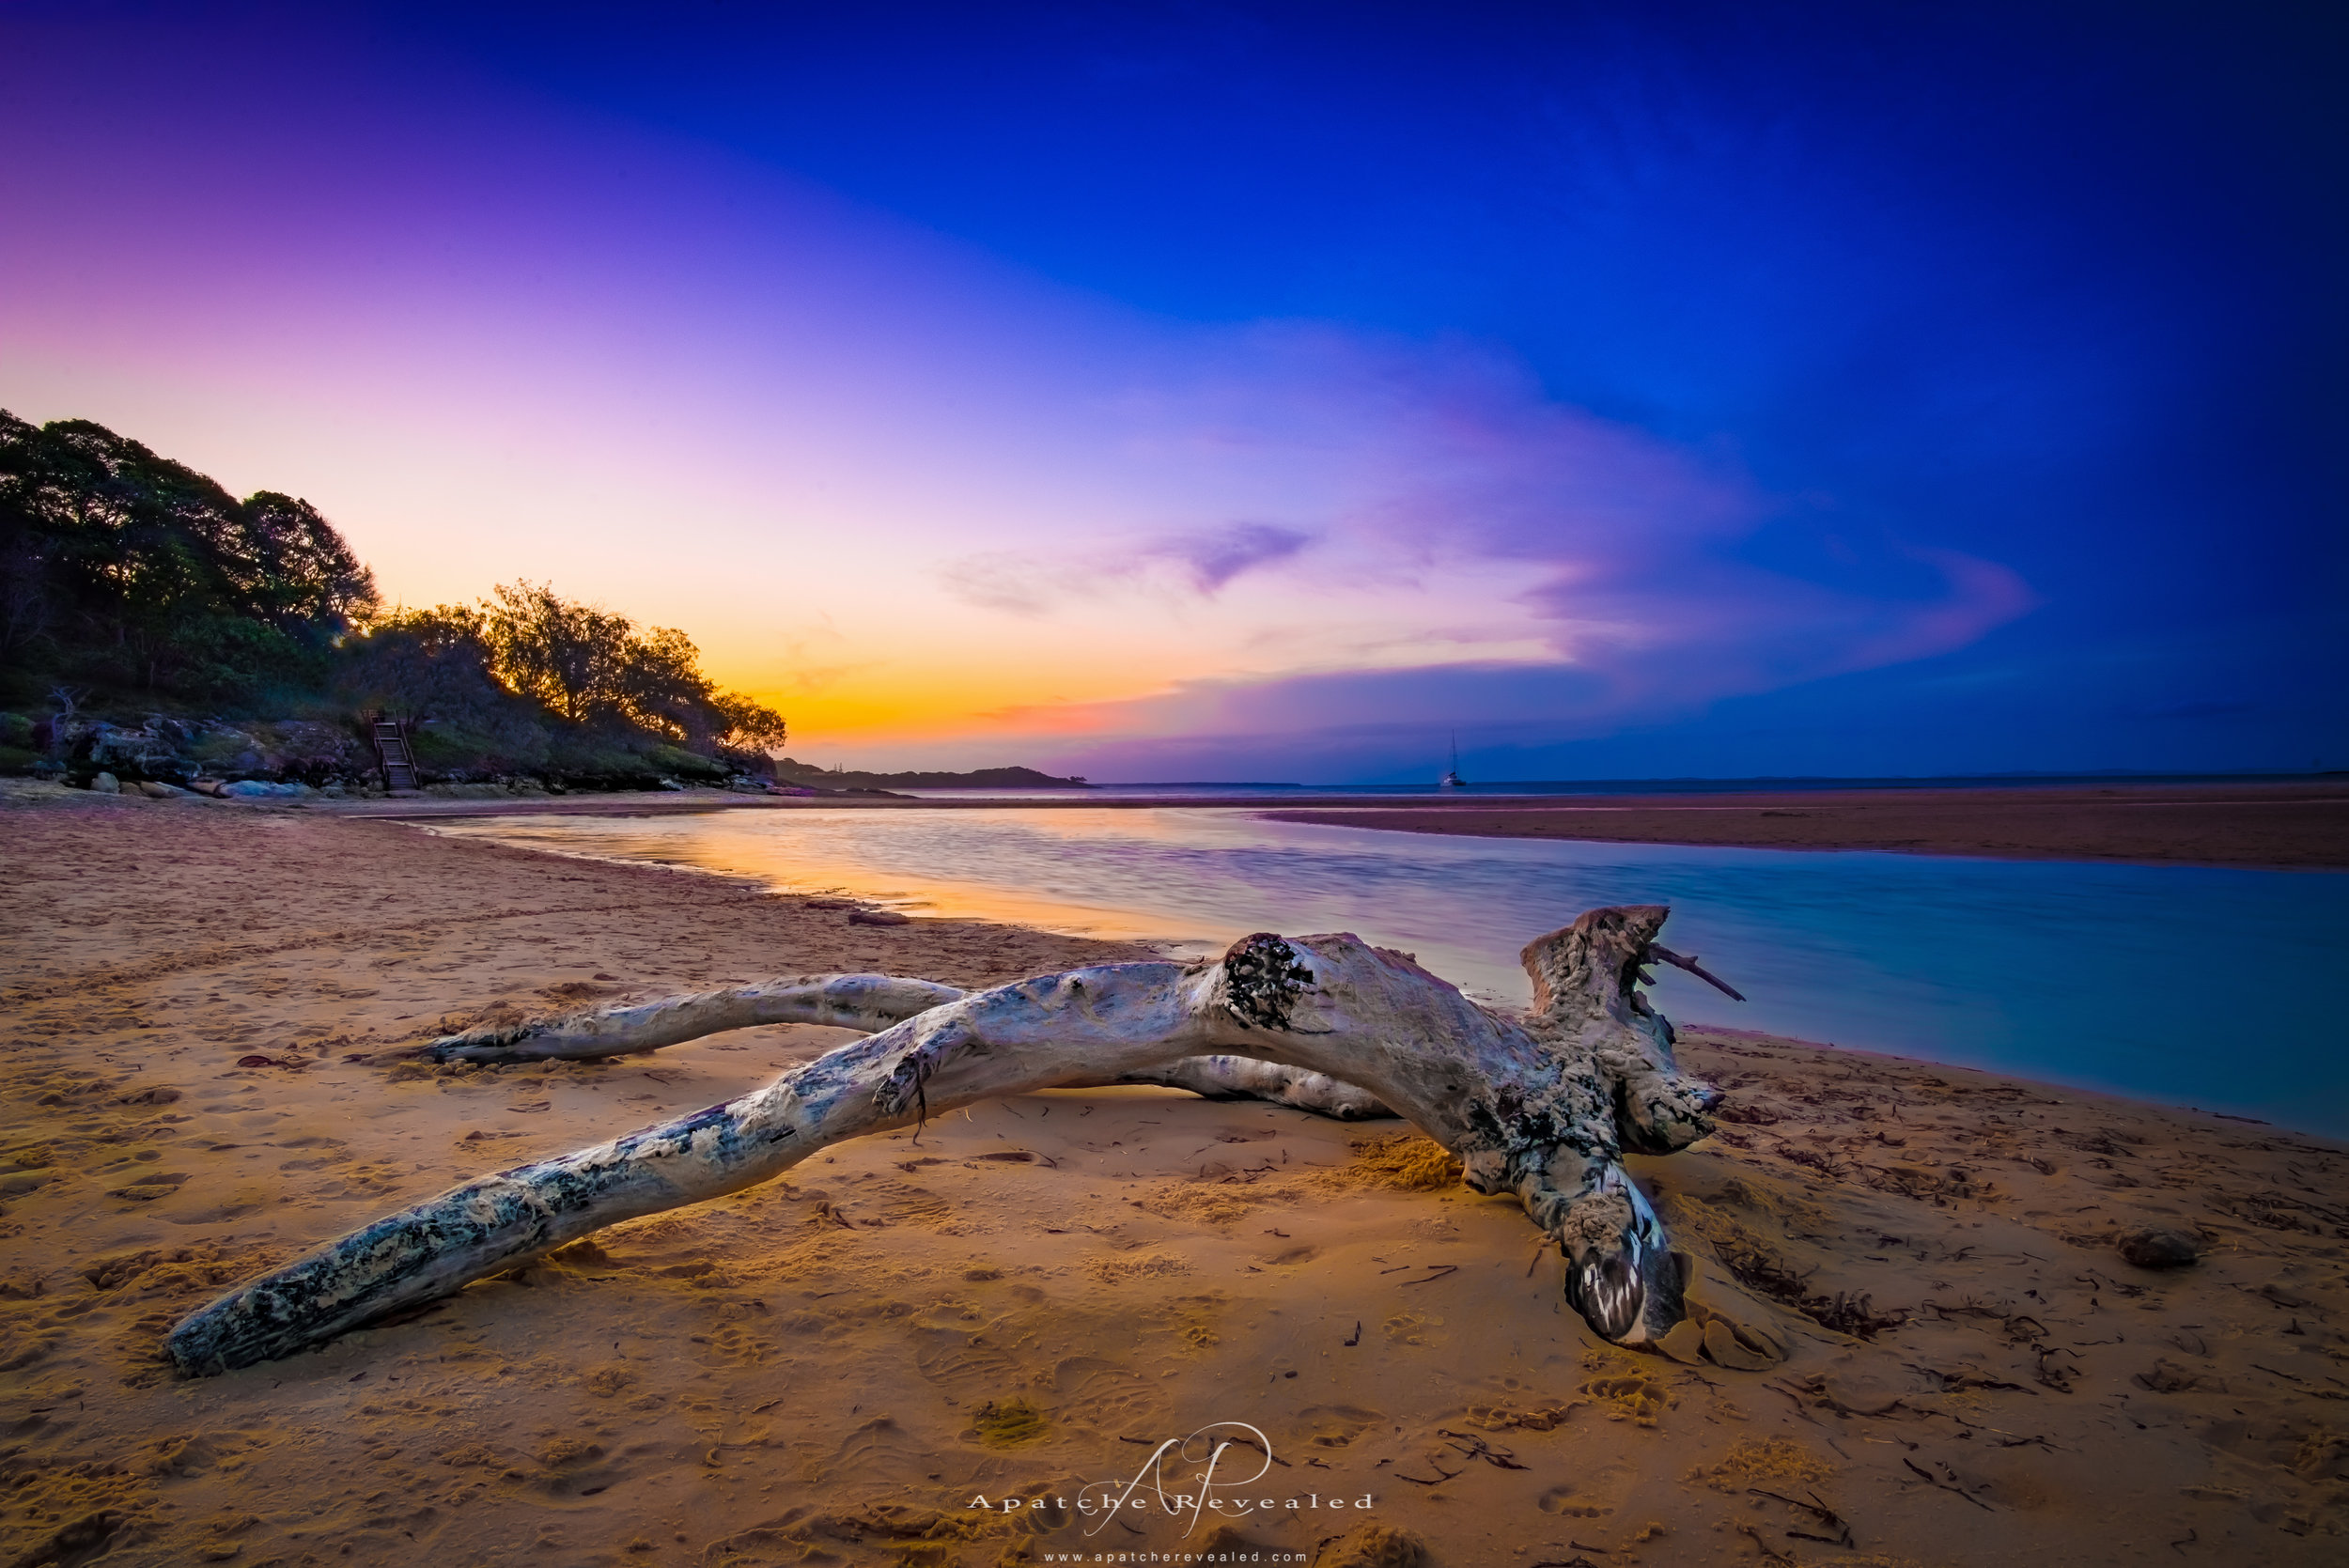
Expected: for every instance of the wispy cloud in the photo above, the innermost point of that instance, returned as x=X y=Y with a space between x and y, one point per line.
x=1457 y=547
x=1201 y=565
x=1213 y=559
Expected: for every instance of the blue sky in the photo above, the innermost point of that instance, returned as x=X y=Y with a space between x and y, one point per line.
x=1210 y=390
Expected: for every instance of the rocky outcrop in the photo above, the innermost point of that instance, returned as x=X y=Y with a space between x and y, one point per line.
x=179 y=752
x=212 y=754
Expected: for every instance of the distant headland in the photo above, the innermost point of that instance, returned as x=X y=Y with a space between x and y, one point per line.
x=787 y=772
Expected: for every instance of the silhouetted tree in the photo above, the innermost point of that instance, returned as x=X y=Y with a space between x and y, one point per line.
x=580 y=663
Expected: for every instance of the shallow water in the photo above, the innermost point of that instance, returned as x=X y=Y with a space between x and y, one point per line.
x=2183 y=985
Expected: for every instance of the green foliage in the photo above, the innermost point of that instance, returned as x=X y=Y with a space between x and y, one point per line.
x=134 y=572
x=458 y=747
x=16 y=743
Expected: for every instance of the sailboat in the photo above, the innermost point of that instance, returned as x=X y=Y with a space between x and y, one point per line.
x=1452 y=778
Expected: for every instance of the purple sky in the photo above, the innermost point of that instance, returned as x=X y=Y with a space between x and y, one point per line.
x=1255 y=393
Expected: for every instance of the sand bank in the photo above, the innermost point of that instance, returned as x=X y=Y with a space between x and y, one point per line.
x=2284 y=825
x=830 y=1368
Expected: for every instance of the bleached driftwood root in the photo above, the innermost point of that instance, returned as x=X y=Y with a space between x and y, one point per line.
x=1541 y=1107
x=867 y=1002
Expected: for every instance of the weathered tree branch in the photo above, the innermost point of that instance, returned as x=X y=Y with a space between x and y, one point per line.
x=1541 y=1107
x=867 y=1002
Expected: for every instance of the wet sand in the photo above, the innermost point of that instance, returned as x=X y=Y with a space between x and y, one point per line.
x=2282 y=825
x=832 y=1366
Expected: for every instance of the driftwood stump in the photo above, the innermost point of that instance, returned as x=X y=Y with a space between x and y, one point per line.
x=1541 y=1106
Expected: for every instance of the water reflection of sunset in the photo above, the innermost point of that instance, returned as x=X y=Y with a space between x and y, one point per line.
x=820 y=851
x=1931 y=955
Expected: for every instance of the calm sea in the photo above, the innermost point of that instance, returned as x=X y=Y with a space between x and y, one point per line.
x=2182 y=984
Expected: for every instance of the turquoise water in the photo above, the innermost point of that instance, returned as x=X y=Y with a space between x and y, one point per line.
x=2182 y=984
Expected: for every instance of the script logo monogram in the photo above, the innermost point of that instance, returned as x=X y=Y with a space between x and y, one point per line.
x=1186 y=1477
x=1207 y=1473
x=1206 y=1481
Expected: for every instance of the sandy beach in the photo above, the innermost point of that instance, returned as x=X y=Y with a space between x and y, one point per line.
x=204 y=1007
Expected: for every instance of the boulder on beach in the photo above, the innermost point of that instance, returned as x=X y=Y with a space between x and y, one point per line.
x=260 y=789
x=106 y=784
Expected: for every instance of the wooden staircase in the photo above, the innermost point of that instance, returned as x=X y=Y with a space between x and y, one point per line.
x=391 y=754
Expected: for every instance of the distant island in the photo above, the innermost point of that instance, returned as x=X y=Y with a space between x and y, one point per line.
x=787 y=772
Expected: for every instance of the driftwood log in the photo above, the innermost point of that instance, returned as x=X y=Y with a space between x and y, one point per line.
x=1541 y=1106
x=867 y=1003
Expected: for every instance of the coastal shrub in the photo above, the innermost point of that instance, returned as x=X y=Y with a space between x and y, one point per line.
x=478 y=745
x=679 y=763
x=18 y=748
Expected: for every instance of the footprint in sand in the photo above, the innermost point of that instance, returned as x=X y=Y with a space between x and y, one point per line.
x=1335 y=1427
x=1411 y=1328
x=1111 y=1397
x=163 y=1183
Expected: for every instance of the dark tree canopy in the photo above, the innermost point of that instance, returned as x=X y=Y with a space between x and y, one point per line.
x=130 y=570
